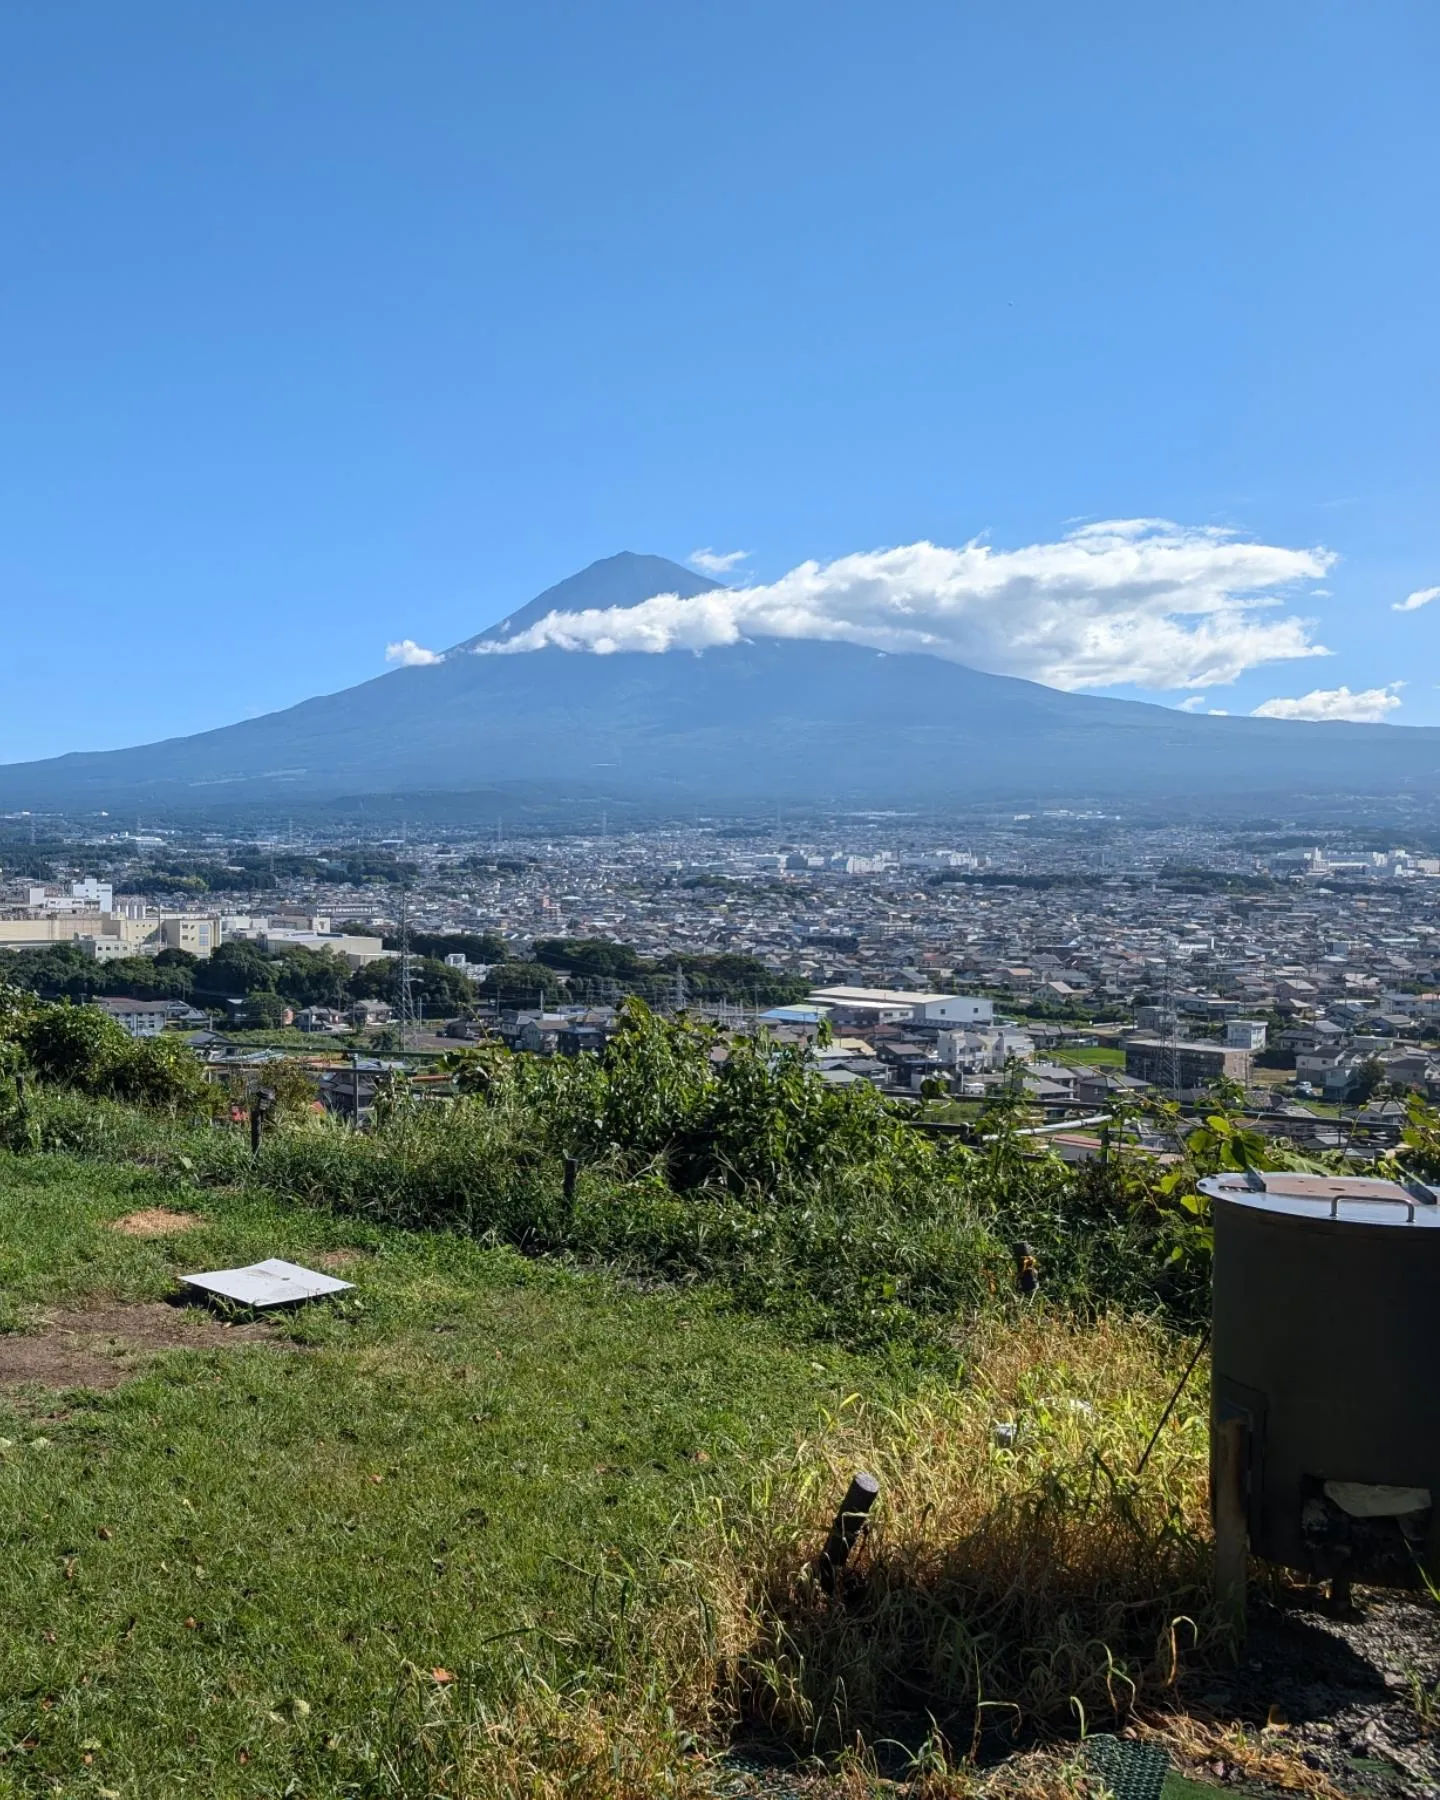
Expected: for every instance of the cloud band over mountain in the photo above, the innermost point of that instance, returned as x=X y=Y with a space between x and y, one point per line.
x=1139 y=601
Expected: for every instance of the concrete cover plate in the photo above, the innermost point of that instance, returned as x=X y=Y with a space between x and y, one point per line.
x=268 y=1283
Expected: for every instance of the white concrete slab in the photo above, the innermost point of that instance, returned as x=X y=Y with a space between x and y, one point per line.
x=269 y=1283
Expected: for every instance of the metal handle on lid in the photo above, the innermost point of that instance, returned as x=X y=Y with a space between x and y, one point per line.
x=1374 y=1200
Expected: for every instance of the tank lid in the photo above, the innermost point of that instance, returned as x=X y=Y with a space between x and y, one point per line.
x=1352 y=1199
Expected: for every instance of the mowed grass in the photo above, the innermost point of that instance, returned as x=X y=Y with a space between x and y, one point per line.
x=248 y=1570
x=1098 y=1056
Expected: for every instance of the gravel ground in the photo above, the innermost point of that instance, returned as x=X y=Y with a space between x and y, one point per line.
x=1350 y=1692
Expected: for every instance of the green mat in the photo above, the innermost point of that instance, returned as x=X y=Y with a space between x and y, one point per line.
x=1131 y=1771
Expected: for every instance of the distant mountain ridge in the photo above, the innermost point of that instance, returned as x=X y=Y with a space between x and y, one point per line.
x=772 y=718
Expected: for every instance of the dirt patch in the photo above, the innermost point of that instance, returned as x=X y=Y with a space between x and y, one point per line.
x=340 y=1259
x=102 y=1346
x=155 y=1222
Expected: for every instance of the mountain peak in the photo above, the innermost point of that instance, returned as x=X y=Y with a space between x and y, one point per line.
x=621 y=580
x=823 y=722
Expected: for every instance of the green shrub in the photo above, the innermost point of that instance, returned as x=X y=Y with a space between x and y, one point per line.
x=163 y=1073
x=83 y=1049
x=75 y=1046
x=700 y=1158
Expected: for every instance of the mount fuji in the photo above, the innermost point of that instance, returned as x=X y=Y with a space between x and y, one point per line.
x=765 y=719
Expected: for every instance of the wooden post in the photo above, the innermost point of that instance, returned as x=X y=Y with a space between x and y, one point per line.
x=849 y=1523
x=256 y=1117
x=572 y=1170
x=1232 y=1535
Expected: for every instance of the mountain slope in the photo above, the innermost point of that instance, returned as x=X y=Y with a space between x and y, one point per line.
x=623 y=580
x=772 y=718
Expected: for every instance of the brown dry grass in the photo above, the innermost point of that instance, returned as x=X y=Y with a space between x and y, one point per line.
x=540 y=1745
x=1255 y=1756
x=155 y=1222
x=1004 y=1589
x=340 y=1259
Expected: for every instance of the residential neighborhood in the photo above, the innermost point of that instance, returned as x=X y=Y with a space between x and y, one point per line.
x=1096 y=958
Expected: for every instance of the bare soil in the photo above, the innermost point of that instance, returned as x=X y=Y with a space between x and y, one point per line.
x=155 y=1222
x=340 y=1259
x=102 y=1346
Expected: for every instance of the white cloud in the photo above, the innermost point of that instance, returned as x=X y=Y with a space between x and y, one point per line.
x=1371 y=706
x=1196 y=703
x=1139 y=601
x=716 y=562
x=411 y=655
x=1413 y=602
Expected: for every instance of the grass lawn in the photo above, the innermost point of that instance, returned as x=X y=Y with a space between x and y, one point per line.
x=286 y=1037
x=236 y=1571
x=1103 y=1056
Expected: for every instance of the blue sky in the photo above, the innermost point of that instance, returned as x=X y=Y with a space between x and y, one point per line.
x=330 y=326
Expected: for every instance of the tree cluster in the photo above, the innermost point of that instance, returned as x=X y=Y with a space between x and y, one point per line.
x=83 y=1048
x=255 y=869
x=269 y=981
x=597 y=969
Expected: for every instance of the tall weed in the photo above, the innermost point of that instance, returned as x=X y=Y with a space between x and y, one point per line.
x=1017 y=1577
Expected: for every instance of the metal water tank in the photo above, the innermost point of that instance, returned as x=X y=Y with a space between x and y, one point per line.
x=1326 y=1369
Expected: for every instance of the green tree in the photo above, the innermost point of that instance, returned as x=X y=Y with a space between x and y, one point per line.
x=263 y=1010
x=483 y=947
x=147 y=978
x=164 y=1074
x=442 y=989
x=521 y=984
x=597 y=958
x=312 y=977
x=742 y=980
x=234 y=970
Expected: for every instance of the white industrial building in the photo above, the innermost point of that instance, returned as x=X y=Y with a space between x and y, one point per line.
x=880 y=1006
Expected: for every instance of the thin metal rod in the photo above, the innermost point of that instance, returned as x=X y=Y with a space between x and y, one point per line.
x=1173 y=1401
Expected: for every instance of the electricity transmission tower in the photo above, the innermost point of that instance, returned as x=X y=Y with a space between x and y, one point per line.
x=1170 y=1021
x=406 y=1011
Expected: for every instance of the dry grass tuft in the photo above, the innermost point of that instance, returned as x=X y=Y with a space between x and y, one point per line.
x=539 y=1745
x=340 y=1259
x=1259 y=1757
x=1017 y=1579
x=155 y=1222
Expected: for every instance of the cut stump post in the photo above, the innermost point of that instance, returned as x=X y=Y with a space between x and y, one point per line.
x=849 y=1523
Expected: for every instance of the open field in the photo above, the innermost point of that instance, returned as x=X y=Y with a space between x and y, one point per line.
x=224 y=1574
x=536 y=1509
x=492 y=1526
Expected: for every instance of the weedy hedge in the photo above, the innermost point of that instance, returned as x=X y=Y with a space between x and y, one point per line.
x=699 y=1158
